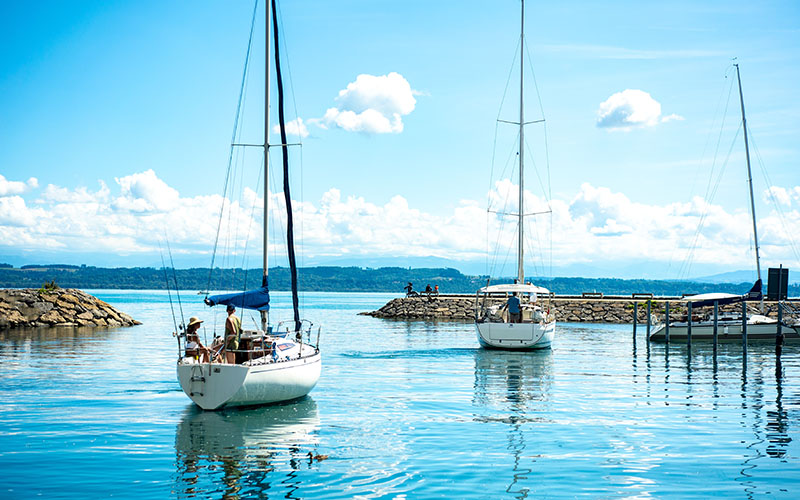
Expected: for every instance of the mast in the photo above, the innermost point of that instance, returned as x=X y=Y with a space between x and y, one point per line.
x=265 y=275
x=521 y=244
x=749 y=181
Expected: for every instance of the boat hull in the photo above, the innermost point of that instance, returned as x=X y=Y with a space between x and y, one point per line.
x=726 y=332
x=516 y=335
x=214 y=386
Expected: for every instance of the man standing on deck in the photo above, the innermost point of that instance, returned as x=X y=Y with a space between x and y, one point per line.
x=514 y=312
x=233 y=327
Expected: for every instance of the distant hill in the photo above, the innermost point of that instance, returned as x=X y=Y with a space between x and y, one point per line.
x=742 y=276
x=330 y=278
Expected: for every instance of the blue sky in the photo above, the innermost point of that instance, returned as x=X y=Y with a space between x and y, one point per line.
x=116 y=118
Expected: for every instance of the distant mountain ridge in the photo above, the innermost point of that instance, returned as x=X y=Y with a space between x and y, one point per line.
x=341 y=279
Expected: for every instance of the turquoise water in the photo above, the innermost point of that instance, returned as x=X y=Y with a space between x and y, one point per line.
x=403 y=410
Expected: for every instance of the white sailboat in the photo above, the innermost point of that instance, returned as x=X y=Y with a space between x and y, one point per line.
x=273 y=364
x=729 y=325
x=535 y=326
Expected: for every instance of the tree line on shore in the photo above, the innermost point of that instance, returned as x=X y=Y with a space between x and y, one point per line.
x=332 y=279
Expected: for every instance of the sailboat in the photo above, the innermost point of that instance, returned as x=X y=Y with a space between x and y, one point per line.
x=273 y=364
x=534 y=326
x=729 y=325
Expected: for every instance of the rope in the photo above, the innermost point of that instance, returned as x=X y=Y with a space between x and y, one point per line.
x=233 y=141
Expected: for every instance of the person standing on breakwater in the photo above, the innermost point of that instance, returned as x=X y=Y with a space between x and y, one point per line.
x=410 y=290
x=233 y=327
x=514 y=312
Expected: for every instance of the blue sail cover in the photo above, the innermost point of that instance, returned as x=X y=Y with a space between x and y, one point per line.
x=257 y=299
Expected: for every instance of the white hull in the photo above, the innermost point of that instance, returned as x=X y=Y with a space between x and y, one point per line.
x=516 y=335
x=213 y=386
x=727 y=331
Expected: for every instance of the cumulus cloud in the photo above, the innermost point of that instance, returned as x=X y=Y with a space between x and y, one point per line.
x=293 y=127
x=8 y=188
x=145 y=192
x=595 y=225
x=631 y=109
x=371 y=104
x=779 y=195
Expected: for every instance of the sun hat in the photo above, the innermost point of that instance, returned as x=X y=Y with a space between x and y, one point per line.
x=194 y=321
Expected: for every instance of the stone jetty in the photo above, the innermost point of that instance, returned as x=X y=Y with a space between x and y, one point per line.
x=30 y=307
x=572 y=309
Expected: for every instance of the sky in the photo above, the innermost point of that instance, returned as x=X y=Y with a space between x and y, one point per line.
x=116 y=121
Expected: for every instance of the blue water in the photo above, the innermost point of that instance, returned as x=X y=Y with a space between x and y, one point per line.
x=403 y=410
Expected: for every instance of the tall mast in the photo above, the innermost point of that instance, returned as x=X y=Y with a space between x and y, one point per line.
x=521 y=245
x=749 y=180
x=265 y=275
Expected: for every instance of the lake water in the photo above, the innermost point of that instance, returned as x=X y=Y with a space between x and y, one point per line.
x=403 y=410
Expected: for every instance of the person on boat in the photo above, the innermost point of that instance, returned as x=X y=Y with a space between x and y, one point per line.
x=233 y=328
x=514 y=311
x=195 y=348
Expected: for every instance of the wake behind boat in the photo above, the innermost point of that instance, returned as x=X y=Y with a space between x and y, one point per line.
x=268 y=365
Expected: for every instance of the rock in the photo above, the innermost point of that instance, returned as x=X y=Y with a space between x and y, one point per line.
x=62 y=307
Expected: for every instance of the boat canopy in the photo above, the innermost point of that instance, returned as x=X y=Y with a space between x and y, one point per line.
x=257 y=299
x=514 y=287
x=708 y=299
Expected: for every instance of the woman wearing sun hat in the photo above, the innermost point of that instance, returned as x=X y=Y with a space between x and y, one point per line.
x=194 y=347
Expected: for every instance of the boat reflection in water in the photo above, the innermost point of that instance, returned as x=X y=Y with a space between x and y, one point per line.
x=247 y=452
x=513 y=388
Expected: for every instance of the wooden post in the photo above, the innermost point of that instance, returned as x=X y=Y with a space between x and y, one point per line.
x=666 y=322
x=716 y=323
x=689 y=324
x=635 y=318
x=648 y=321
x=779 y=334
x=744 y=327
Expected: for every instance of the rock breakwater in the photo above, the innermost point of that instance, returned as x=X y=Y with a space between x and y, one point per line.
x=60 y=307
x=572 y=309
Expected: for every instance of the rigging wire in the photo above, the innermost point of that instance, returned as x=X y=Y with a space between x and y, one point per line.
x=234 y=135
x=685 y=267
x=169 y=292
x=774 y=200
x=690 y=258
x=175 y=279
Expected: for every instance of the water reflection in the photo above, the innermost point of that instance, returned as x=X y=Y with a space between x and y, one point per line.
x=246 y=452
x=515 y=388
x=51 y=340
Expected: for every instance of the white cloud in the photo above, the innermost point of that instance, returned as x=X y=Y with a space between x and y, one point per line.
x=293 y=127
x=780 y=195
x=597 y=225
x=371 y=104
x=144 y=192
x=8 y=188
x=631 y=109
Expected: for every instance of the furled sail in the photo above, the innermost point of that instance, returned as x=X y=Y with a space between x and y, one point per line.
x=257 y=299
x=708 y=299
x=286 y=193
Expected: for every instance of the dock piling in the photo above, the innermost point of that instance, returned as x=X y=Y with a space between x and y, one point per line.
x=716 y=323
x=666 y=322
x=779 y=333
x=635 y=318
x=744 y=330
x=689 y=324
x=648 y=321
